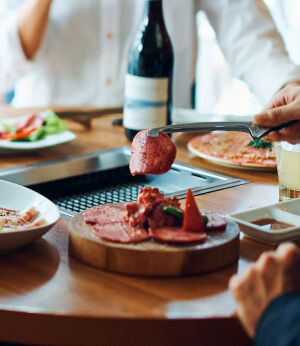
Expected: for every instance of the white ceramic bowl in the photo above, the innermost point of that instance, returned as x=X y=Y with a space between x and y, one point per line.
x=17 y=197
x=288 y=212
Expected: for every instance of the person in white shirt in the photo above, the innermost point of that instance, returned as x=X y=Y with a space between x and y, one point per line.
x=74 y=52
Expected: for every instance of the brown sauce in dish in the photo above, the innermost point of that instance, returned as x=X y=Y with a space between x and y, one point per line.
x=270 y=224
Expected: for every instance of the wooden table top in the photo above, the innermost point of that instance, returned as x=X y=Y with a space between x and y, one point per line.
x=47 y=297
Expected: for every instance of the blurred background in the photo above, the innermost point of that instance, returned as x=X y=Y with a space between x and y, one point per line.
x=224 y=93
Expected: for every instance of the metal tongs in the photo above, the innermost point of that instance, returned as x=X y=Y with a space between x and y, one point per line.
x=255 y=131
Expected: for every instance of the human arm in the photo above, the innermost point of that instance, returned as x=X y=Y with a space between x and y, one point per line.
x=14 y=63
x=32 y=23
x=251 y=44
x=282 y=318
x=284 y=107
x=274 y=274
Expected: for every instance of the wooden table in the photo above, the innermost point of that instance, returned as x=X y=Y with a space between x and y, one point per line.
x=47 y=297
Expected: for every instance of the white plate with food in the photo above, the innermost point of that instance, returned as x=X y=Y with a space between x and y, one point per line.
x=233 y=149
x=271 y=224
x=25 y=216
x=32 y=132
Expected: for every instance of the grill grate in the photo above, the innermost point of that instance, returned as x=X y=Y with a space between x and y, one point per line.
x=116 y=194
x=81 y=192
x=86 y=180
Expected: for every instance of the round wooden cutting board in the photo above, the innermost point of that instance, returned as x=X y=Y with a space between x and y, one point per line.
x=150 y=258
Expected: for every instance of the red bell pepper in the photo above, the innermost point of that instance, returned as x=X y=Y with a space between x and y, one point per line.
x=18 y=135
x=192 y=220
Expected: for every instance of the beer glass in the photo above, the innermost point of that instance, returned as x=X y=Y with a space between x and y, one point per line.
x=288 y=168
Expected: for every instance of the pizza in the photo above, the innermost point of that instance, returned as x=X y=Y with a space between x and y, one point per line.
x=232 y=148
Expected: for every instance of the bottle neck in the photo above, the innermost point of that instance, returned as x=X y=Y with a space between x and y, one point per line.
x=153 y=10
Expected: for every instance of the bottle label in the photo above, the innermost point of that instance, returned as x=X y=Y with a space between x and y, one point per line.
x=145 y=104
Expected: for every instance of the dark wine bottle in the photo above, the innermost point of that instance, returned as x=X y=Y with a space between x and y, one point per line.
x=148 y=82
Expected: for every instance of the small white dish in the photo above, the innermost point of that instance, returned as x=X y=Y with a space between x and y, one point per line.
x=7 y=146
x=287 y=212
x=17 y=197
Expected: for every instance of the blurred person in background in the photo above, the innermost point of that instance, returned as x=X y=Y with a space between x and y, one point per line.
x=75 y=52
x=268 y=297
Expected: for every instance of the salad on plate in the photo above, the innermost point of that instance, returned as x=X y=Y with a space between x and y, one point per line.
x=32 y=128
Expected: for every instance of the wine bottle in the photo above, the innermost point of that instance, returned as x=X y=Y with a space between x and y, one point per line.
x=148 y=82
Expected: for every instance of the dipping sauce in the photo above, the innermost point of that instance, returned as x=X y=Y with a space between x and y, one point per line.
x=269 y=224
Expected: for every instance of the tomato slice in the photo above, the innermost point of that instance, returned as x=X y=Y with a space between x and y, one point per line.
x=192 y=220
x=19 y=135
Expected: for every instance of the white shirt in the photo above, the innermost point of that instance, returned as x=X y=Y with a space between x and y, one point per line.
x=83 y=57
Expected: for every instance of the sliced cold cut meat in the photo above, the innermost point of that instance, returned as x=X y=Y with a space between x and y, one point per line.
x=215 y=222
x=120 y=232
x=151 y=155
x=148 y=210
x=146 y=219
x=105 y=214
x=33 y=121
x=176 y=235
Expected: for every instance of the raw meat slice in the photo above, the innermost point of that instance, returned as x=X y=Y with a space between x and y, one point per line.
x=176 y=235
x=120 y=232
x=33 y=121
x=105 y=214
x=215 y=222
x=151 y=155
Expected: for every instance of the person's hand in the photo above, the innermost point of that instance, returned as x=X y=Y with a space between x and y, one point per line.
x=284 y=107
x=274 y=274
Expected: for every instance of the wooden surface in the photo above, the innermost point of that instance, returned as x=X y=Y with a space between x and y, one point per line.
x=47 y=297
x=150 y=259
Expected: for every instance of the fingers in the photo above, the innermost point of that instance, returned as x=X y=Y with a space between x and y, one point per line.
x=274 y=273
x=284 y=107
x=289 y=252
x=278 y=115
x=290 y=134
x=289 y=255
x=272 y=137
x=268 y=266
x=250 y=295
x=283 y=97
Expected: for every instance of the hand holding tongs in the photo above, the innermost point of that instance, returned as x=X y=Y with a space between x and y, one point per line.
x=255 y=131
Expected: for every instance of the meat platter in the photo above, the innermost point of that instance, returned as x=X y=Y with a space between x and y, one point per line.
x=153 y=236
x=103 y=238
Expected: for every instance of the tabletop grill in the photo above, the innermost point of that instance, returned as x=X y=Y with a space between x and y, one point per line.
x=86 y=180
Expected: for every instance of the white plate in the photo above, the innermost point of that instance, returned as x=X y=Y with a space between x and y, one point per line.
x=49 y=141
x=288 y=212
x=18 y=197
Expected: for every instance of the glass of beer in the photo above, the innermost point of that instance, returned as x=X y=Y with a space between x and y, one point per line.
x=288 y=168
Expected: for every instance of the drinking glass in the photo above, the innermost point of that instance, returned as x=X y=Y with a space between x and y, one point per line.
x=288 y=168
